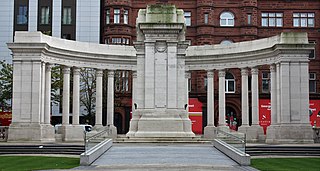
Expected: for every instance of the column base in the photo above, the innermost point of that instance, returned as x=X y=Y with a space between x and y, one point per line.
x=112 y=131
x=162 y=123
x=253 y=133
x=31 y=132
x=210 y=132
x=72 y=133
x=98 y=128
x=290 y=134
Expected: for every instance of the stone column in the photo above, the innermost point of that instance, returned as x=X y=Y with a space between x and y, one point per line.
x=222 y=105
x=278 y=92
x=66 y=95
x=134 y=120
x=187 y=78
x=99 y=74
x=47 y=110
x=273 y=95
x=255 y=96
x=110 y=104
x=43 y=84
x=76 y=96
x=244 y=97
x=210 y=98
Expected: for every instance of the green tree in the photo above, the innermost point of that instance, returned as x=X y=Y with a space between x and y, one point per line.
x=5 y=85
x=88 y=93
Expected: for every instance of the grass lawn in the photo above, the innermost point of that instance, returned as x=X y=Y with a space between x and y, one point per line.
x=286 y=164
x=17 y=163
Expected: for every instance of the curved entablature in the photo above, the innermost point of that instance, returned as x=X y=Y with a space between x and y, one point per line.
x=249 y=54
x=71 y=53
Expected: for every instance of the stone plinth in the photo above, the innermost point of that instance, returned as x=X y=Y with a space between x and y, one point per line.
x=253 y=133
x=72 y=133
x=293 y=133
x=31 y=132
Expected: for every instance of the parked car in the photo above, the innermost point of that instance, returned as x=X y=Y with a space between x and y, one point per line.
x=86 y=128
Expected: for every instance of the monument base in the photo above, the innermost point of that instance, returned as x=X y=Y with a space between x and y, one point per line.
x=31 y=132
x=253 y=133
x=161 y=123
x=72 y=133
x=293 y=133
x=210 y=132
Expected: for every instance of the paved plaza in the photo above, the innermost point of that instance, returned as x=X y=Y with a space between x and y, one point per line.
x=163 y=157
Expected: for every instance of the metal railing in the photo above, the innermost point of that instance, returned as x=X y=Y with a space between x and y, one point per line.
x=91 y=139
x=4 y=133
x=235 y=139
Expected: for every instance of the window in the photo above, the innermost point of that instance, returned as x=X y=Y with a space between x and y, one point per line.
x=205 y=81
x=108 y=16
x=265 y=82
x=303 y=19
x=206 y=18
x=22 y=17
x=226 y=42
x=312 y=82
x=116 y=16
x=230 y=83
x=125 y=16
x=45 y=14
x=312 y=54
x=187 y=16
x=119 y=41
x=271 y=19
x=66 y=18
x=121 y=81
x=249 y=18
x=226 y=19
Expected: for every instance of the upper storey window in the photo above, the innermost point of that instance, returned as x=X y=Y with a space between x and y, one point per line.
x=66 y=18
x=187 y=16
x=303 y=19
x=108 y=16
x=125 y=17
x=272 y=19
x=230 y=83
x=226 y=42
x=116 y=16
x=227 y=19
x=22 y=17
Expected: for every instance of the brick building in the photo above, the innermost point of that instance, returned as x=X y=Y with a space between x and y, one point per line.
x=217 y=22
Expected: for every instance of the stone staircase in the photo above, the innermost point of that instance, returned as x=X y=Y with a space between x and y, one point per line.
x=197 y=139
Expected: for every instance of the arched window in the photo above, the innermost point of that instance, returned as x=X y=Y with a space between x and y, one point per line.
x=226 y=42
x=230 y=83
x=227 y=19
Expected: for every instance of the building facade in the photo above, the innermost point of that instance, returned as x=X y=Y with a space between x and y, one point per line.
x=221 y=22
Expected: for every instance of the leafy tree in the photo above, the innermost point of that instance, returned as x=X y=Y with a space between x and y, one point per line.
x=88 y=92
x=5 y=84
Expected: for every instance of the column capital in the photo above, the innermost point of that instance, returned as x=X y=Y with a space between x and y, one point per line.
x=110 y=73
x=134 y=74
x=244 y=71
x=76 y=71
x=99 y=73
x=66 y=70
x=210 y=73
x=222 y=73
x=49 y=67
x=187 y=74
x=272 y=68
x=254 y=71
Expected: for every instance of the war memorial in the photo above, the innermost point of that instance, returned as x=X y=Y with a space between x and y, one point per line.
x=161 y=60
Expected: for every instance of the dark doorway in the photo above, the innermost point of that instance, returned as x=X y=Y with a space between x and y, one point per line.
x=118 y=122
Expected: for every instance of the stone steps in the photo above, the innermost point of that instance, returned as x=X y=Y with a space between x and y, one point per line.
x=124 y=139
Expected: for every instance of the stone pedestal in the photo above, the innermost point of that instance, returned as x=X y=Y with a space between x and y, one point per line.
x=72 y=133
x=253 y=133
x=31 y=132
x=210 y=132
x=168 y=123
x=112 y=131
x=284 y=134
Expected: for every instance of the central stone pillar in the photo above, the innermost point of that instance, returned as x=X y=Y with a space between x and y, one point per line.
x=160 y=49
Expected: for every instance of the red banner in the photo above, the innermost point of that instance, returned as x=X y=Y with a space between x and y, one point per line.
x=5 y=118
x=314 y=110
x=195 y=115
x=264 y=113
